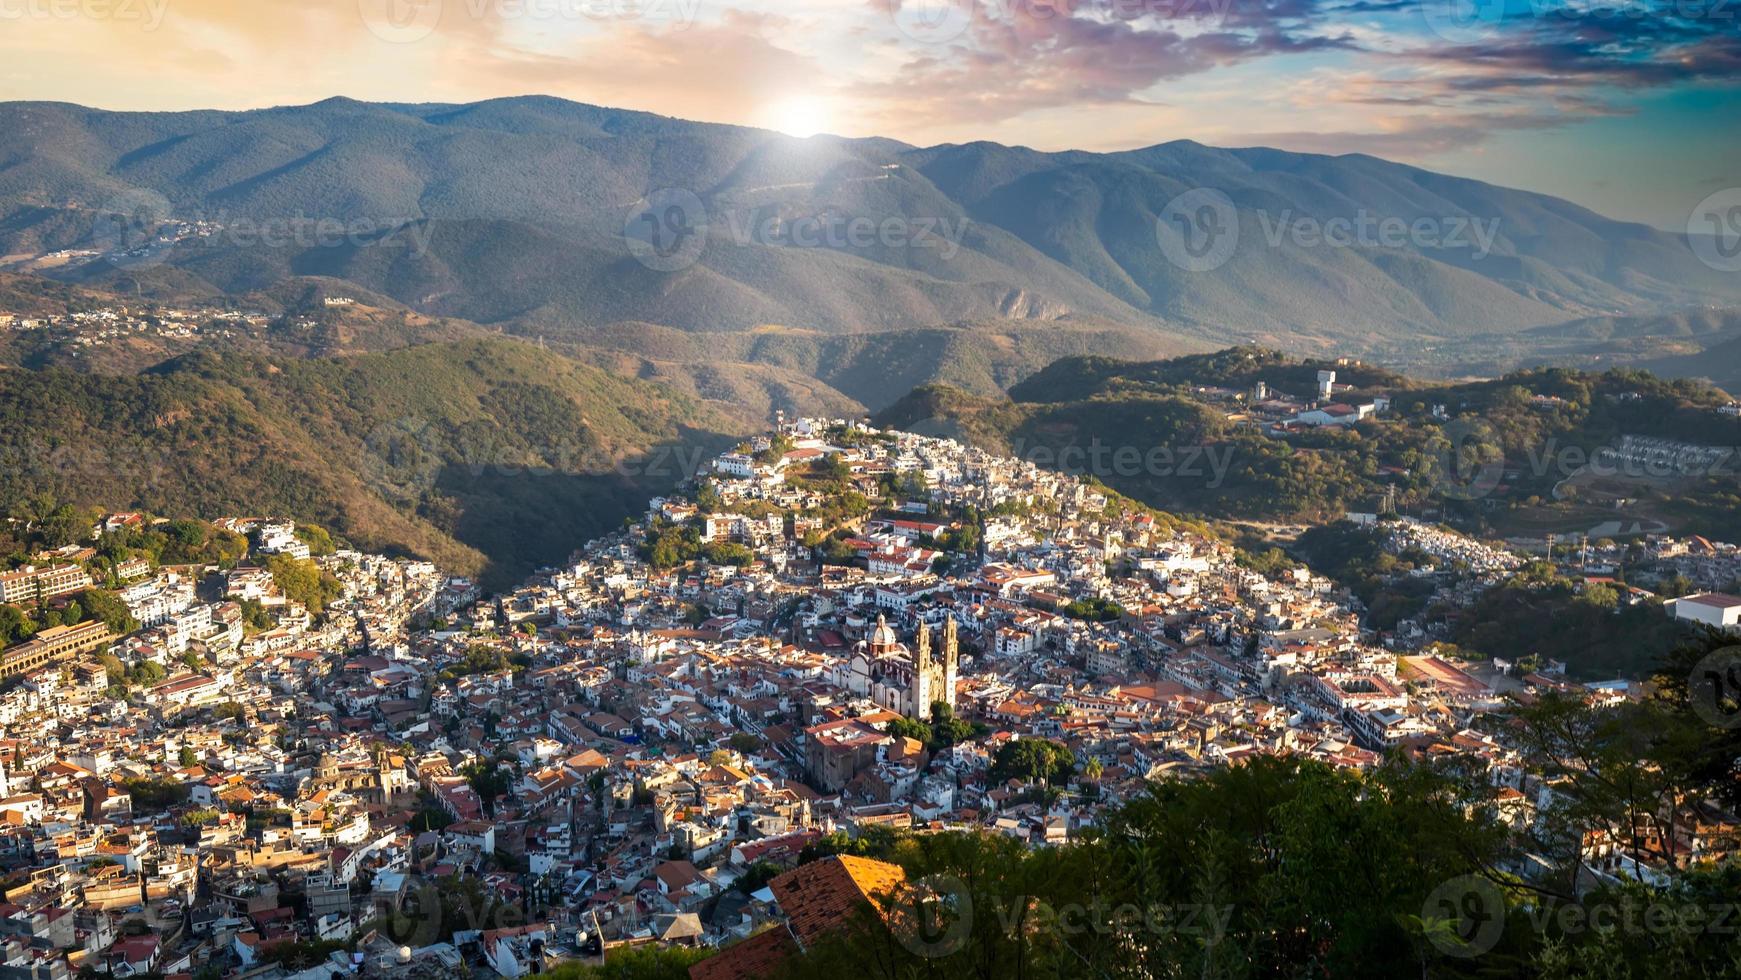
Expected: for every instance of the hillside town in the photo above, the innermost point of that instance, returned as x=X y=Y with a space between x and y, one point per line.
x=290 y=758
x=102 y=326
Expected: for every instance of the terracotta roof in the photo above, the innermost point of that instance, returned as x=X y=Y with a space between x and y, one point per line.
x=821 y=896
x=1715 y=600
x=756 y=956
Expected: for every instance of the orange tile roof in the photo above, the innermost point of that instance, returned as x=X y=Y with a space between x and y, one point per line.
x=756 y=956
x=821 y=896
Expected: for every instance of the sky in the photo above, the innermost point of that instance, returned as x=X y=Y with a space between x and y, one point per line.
x=1629 y=107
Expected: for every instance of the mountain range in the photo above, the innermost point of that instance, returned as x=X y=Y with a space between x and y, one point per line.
x=550 y=308
x=551 y=219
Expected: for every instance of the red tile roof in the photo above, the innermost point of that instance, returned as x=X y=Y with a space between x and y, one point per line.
x=755 y=957
x=821 y=896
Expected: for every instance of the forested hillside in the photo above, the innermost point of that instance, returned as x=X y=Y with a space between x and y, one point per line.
x=491 y=456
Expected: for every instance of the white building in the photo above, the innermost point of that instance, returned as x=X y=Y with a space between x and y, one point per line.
x=735 y=464
x=1710 y=608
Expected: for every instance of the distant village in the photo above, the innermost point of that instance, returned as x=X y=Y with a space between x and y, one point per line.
x=106 y=325
x=103 y=326
x=832 y=630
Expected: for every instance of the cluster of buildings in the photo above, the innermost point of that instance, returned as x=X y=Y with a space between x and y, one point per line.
x=1280 y=413
x=103 y=326
x=628 y=749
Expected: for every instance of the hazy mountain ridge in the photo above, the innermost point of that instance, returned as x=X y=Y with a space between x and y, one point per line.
x=517 y=209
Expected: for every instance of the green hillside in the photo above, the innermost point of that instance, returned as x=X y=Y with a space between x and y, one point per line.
x=870 y=370
x=1192 y=450
x=491 y=456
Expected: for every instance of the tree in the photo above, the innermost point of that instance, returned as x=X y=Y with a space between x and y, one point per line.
x=254 y=616
x=15 y=626
x=636 y=963
x=943 y=730
x=489 y=780
x=756 y=876
x=108 y=607
x=152 y=795
x=480 y=658
x=1032 y=760
x=1221 y=876
x=1674 y=586
x=964 y=538
x=908 y=728
x=1094 y=609
x=670 y=545
x=728 y=553
x=303 y=581
x=318 y=539
x=301 y=954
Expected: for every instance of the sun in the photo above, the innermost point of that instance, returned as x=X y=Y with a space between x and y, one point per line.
x=801 y=116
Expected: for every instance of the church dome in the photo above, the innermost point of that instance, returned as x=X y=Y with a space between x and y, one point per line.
x=883 y=637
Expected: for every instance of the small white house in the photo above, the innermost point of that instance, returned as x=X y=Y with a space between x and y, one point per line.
x=1709 y=608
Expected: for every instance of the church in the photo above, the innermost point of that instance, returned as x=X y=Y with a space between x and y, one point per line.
x=909 y=682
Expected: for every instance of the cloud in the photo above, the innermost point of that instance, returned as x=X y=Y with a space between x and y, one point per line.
x=1368 y=74
x=1012 y=59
